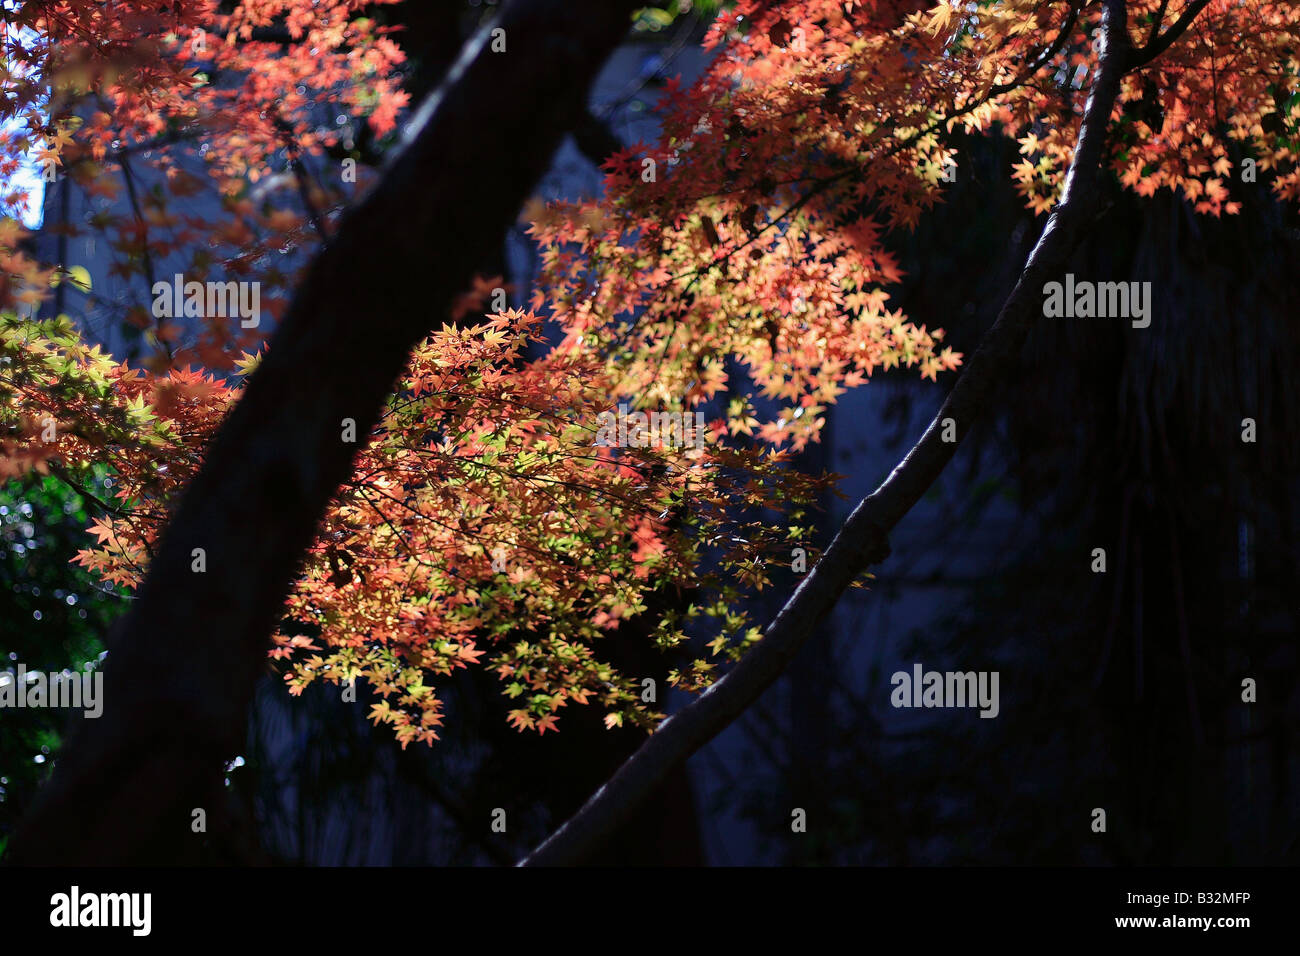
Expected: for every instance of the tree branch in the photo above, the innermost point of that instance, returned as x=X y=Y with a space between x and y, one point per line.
x=595 y=139
x=863 y=539
x=1163 y=42
x=182 y=665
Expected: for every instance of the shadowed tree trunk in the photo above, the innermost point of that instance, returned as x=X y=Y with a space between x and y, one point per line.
x=182 y=664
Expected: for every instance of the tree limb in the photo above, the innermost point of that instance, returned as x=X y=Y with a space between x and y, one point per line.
x=182 y=665
x=595 y=139
x=863 y=539
x=1159 y=44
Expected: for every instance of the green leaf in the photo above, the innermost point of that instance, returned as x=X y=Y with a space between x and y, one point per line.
x=79 y=276
x=653 y=18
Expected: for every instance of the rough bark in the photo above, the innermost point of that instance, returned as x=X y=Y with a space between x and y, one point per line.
x=182 y=665
x=862 y=541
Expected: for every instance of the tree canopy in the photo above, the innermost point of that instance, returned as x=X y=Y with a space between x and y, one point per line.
x=430 y=462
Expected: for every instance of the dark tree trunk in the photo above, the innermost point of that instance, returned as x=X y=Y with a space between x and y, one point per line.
x=182 y=665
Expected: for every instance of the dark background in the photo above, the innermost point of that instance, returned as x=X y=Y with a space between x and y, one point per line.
x=1119 y=690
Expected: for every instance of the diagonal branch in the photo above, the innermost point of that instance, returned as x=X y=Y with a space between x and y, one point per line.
x=1158 y=44
x=863 y=539
x=182 y=665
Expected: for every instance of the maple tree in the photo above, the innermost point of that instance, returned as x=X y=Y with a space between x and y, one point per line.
x=738 y=266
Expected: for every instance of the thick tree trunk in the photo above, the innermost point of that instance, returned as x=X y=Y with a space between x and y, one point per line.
x=182 y=664
x=862 y=541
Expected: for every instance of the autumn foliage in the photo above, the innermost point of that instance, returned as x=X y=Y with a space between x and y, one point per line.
x=739 y=266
